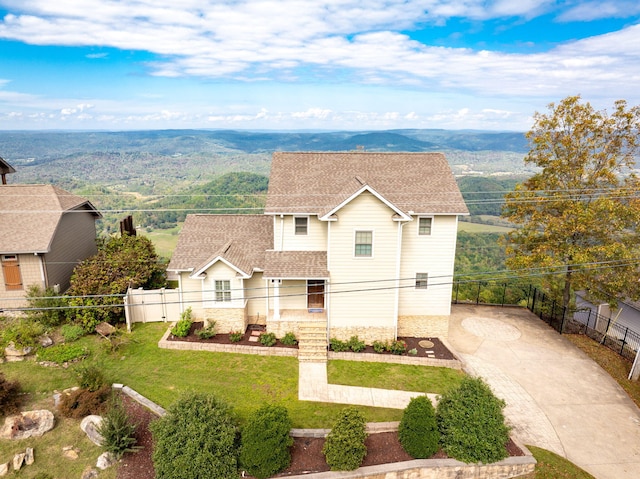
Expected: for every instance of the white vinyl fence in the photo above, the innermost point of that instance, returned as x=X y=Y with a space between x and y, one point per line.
x=147 y=306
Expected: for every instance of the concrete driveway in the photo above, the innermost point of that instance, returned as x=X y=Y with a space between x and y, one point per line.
x=557 y=398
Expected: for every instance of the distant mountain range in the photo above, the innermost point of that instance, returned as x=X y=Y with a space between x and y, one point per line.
x=46 y=145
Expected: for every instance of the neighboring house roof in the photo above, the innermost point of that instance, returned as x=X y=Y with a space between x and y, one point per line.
x=317 y=183
x=5 y=167
x=238 y=240
x=296 y=265
x=29 y=216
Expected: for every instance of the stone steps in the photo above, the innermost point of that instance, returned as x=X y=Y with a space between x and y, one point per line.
x=312 y=342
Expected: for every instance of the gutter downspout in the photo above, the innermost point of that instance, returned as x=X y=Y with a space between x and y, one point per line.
x=281 y=233
x=397 y=299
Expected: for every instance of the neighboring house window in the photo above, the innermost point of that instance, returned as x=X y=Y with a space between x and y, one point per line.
x=223 y=290
x=422 y=280
x=11 y=273
x=424 y=226
x=302 y=225
x=364 y=244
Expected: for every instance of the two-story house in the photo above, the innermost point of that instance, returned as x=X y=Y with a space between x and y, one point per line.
x=44 y=233
x=363 y=241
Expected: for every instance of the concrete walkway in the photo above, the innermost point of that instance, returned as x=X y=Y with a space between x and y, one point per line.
x=557 y=398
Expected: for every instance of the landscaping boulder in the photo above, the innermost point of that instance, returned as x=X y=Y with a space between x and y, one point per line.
x=29 y=458
x=89 y=426
x=12 y=353
x=89 y=473
x=27 y=424
x=105 y=329
x=4 y=469
x=70 y=452
x=45 y=341
x=106 y=460
x=18 y=459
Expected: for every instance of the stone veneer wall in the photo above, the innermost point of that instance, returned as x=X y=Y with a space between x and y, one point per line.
x=280 y=328
x=227 y=319
x=368 y=334
x=424 y=326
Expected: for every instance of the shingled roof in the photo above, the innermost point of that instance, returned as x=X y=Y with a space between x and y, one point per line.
x=241 y=240
x=29 y=216
x=316 y=183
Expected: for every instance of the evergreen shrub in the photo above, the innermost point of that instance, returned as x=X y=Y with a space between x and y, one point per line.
x=117 y=432
x=266 y=441
x=338 y=345
x=355 y=344
x=197 y=438
x=268 y=339
x=289 y=339
x=471 y=423
x=418 y=430
x=344 y=448
x=82 y=402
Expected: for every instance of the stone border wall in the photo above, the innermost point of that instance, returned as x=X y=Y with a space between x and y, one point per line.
x=164 y=343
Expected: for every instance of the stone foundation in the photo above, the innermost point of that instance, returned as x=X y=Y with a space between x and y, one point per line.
x=280 y=328
x=368 y=334
x=227 y=319
x=424 y=326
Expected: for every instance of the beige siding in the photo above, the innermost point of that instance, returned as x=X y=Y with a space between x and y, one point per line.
x=285 y=238
x=256 y=292
x=30 y=272
x=192 y=295
x=433 y=254
x=372 y=304
x=73 y=241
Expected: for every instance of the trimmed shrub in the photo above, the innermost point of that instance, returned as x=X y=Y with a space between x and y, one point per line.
x=268 y=339
x=344 y=448
x=117 y=432
x=338 y=346
x=471 y=423
x=10 y=398
x=197 y=438
x=418 y=430
x=235 y=336
x=82 y=402
x=183 y=326
x=208 y=332
x=23 y=332
x=62 y=353
x=266 y=442
x=289 y=339
x=379 y=346
x=71 y=332
x=398 y=347
x=356 y=345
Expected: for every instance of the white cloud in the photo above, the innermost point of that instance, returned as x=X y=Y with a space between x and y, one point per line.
x=588 y=11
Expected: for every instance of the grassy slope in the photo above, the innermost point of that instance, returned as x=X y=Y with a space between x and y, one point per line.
x=552 y=466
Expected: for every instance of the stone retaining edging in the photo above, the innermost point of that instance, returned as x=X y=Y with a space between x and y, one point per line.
x=136 y=396
x=164 y=343
x=396 y=359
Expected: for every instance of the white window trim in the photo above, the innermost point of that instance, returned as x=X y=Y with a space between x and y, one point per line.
x=223 y=292
x=421 y=288
x=355 y=232
x=295 y=233
x=418 y=225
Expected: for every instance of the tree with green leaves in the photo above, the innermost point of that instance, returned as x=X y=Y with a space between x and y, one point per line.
x=577 y=217
x=98 y=282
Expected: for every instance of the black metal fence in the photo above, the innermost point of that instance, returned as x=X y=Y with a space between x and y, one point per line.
x=547 y=309
x=496 y=292
x=617 y=337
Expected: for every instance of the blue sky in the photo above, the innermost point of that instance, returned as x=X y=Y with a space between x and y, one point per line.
x=310 y=64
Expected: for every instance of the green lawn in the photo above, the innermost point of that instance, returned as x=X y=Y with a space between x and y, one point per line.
x=164 y=240
x=552 y=466
x=244 y=381
x=393 y=376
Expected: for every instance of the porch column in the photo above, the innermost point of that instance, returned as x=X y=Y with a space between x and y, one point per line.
x=276 y=298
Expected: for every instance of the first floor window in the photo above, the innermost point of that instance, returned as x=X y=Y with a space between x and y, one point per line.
x=422 y=280
x=11 y=273
x=364 y=244
x=223 y=290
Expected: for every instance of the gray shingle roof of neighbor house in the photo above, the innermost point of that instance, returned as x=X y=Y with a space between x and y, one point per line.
x=316 y=183
x=241 y=240
x=30 y=214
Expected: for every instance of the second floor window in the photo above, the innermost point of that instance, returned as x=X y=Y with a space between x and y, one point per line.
x=302 y=225
x=223 y=290
x=424 y=226
x=364 y=244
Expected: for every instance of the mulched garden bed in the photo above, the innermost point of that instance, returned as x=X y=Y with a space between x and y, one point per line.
x=434 y=347
x=306 y=453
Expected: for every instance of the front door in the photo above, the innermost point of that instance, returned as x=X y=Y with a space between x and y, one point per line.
x=315 y=294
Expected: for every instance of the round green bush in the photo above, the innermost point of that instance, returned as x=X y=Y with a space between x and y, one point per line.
x=266 y=441
x=197 y=438
x=418 y=430
x=344 y=448
x=471 y=423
